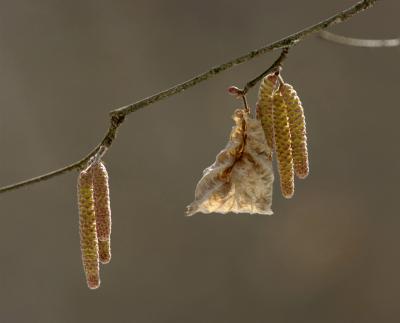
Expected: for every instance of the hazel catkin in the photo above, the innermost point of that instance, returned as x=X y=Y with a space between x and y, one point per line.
x=297 y=127
x=102 y=208
x=265 y=106
x=88 y=233
x=283 y=146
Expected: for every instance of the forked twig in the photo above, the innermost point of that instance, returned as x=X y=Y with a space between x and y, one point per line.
x=118 y=116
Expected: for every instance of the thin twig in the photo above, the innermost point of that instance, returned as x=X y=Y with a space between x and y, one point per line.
x=80 y=164
x=117 y=116
x=273 y=68
x=246 y=106
x=358 y=42
x=281 y=81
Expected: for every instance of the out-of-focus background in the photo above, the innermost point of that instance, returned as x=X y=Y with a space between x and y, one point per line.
x=330 y=254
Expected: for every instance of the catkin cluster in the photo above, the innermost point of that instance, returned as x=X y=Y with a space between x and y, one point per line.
x=94 y=221
x=282 y=116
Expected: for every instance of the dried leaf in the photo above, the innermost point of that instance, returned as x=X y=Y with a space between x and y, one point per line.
x=241 y=178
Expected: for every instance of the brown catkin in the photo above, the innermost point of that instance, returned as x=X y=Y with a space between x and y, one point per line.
x=101 y=201
x=265 y=106
x=88 y=234
x=104 y=251
x=283 y=146
x=297 y=127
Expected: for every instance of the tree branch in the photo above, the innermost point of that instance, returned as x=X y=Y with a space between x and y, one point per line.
x=117 y=116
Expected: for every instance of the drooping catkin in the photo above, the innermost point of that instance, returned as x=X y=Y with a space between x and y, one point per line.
x=88 y=233
x=104 y=251
x=265 y=106
x=101 y=201
x=283 y=146
x=297 y=127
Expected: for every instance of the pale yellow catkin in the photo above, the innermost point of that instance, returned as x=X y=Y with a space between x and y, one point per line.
x=102 y=201
x=265 y=106
x=283 y=146
x=104 y=251
x=88 y=233
x=297 y=127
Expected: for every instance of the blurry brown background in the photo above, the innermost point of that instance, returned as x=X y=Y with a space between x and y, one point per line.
x=331 y=254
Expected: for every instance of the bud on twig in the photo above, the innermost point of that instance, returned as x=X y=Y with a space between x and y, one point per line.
x=233 y=90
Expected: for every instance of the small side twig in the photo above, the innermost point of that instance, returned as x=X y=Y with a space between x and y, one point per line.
x=246 y=106
x=275 y=67
x=281 y=81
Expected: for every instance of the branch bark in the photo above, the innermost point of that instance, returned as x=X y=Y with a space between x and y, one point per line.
x=118 y=116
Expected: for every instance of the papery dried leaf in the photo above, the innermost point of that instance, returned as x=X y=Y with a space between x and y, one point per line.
x=283 y=146
x=241 y=178
x=101 y=201
x=88 y=233
x=265 y=106
x=297 y=127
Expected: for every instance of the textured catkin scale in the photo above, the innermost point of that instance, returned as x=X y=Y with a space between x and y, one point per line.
x=283 y=146
x=297 y=126
x=265 y=106
x=104 y=251
x=101 y=201
x=88 y=234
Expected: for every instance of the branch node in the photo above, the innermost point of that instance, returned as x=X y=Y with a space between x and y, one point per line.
x=276 y=67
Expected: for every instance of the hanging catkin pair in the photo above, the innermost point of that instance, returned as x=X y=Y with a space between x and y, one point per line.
x=94 y=221
x=282 y=117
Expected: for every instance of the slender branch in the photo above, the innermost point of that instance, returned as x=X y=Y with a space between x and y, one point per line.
x=80 y=164
x=357 y=42
x=288 y=41
x=117 y=116
x=274 y=67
